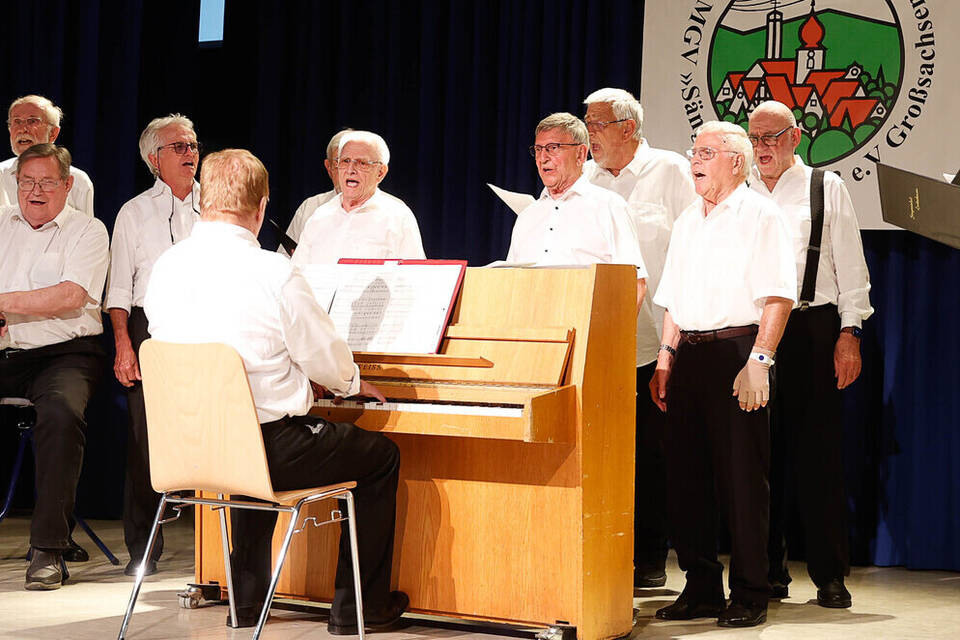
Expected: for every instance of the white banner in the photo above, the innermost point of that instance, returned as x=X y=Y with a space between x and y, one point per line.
x=869 y=80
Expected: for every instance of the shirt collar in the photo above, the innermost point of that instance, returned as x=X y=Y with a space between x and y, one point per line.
x=373 y=202
x=582 y=183
x=640 y=157
x=731 y=202
x=798 y=169
x=162 y=189
x=13 y=213
x=217 y=229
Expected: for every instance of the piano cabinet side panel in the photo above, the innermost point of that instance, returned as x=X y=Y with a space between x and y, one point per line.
x=607 y=445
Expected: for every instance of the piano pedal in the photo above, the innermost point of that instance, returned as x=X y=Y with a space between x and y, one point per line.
x=558 y=631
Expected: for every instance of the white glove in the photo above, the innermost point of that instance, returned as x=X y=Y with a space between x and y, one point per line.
x=752 y=384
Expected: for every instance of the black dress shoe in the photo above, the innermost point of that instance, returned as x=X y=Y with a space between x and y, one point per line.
x=649 y=578
x=834 y=595
x=75 y=553
x=44 y=572
x=686 y=609
x=134 y=564
x=247 y=616
x=779 y=590
x=382 y=619
x=739 y=614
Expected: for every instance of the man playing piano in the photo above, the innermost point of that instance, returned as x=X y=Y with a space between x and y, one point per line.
x=219 y=286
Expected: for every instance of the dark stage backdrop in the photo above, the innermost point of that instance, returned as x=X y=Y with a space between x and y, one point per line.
x=456 y=88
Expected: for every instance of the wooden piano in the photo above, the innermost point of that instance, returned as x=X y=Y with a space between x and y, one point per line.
x=515 y=502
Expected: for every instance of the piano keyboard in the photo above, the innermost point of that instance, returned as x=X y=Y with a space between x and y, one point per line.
x=426 y=407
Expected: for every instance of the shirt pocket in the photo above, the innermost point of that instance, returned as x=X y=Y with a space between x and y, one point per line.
x=47 y=271
x=649 y=219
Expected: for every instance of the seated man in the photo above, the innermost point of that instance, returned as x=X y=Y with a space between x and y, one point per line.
x=32 y=120
x=574 y=221
x=146 y=226
x=219 y=286
x=361 y=221
x=53 y=261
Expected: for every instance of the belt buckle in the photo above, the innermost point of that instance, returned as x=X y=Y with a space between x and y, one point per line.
x=694 y=338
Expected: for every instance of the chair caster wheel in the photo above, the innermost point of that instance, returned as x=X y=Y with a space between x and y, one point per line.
x=190 y=599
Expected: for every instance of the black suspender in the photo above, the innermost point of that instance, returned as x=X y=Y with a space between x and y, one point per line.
x=808 y=290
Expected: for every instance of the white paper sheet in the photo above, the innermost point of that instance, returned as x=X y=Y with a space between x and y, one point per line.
x=516 y=201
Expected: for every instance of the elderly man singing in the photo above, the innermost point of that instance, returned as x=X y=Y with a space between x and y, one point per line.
x=657 y=187
x=574 y=221
x=146 y=226
x=33 y=120
x=361 y=221
x=819 y=354
x=728 y=285
x=53 y=261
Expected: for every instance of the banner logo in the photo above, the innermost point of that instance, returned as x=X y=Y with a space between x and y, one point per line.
x=840 y=72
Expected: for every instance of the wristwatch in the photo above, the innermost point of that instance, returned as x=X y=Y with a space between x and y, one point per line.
x=856 y=331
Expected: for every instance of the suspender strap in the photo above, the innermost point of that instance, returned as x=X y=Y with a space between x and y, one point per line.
x=809 y=288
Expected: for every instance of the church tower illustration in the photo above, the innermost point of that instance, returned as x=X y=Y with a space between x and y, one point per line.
x=810 y=55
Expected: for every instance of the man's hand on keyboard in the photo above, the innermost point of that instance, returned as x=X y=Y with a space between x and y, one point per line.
x=367 y=390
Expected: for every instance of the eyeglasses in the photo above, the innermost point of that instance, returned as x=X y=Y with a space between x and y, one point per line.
x=769 y=139
x=28 y=122
x=706 y=153
x=597 y=125
x=362 y=166
x=180 y=148
x=29 y=184
x=552 y=149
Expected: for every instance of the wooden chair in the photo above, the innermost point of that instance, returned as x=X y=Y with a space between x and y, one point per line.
x=204 y=436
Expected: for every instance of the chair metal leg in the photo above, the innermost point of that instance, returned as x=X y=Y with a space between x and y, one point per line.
x=15 y=474
x=355 y=557
x=228 y=568
x=146 y=556
x=96 y=539
x=294 y=519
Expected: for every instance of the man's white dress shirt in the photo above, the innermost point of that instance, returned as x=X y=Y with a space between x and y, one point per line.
x=382 y=227
x=80 y=196
x=586 y=224
x=721 y=268
x=73 y=247
x=303 y=213
x=657 y=187
x=218 y=285
x=146 y=226
x=842 y=277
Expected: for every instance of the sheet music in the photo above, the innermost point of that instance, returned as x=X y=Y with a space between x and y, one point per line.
x=392 y=307
x=323 y=279
x=516 y=201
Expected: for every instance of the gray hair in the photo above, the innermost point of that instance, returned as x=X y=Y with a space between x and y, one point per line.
x=333 y=147
x=624 y=105
x=734 y=138
x=774 y=108
x=150 y=138
x=51 y=112
x=47 y=150
x=366 y=137
x=569 y=123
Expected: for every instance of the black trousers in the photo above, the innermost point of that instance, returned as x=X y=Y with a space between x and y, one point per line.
x=650 y=482
x=139 y=499
x=59 y=380
x=718 y=458
x=807 y=448
x=305 y=452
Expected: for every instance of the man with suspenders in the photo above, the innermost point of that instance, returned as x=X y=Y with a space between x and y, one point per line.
x=817 y=357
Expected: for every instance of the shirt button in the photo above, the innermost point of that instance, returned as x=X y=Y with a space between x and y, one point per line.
x=557 y=208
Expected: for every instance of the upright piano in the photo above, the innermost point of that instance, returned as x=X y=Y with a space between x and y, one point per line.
x=515 y=502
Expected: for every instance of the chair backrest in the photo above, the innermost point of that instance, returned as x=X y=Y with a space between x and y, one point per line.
x=202 y=425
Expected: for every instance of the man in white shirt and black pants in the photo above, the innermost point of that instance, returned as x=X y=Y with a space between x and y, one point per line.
x=657 y=187
x=219 y=286
x=146 y=226
x=53 y=261
x=819 y=354
x=728 y=285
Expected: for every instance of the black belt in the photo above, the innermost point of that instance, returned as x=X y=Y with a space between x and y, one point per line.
x=10 y=351
x=699 y=337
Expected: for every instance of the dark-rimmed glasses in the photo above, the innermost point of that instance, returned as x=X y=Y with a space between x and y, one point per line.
x=598 y=125
x=768 y=139
x=552 y=148
x=180 y=148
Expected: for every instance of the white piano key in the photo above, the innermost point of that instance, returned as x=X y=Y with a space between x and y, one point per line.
x=425 y=407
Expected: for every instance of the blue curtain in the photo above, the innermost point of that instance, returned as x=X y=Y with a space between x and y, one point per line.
x=456 y=87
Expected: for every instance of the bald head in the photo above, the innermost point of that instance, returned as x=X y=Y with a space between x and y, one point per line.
x=774 y=109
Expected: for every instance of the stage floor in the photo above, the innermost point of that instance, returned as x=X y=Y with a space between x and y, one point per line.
x=887 y=603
